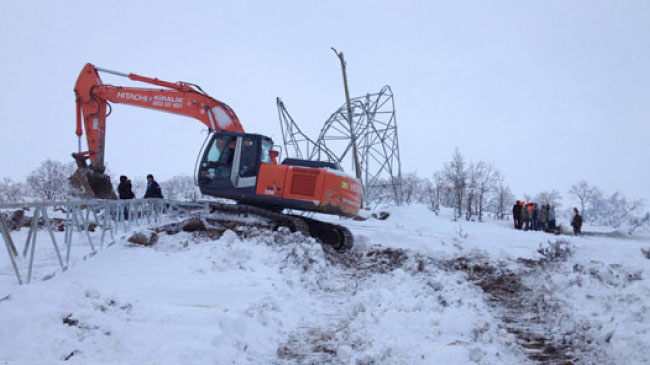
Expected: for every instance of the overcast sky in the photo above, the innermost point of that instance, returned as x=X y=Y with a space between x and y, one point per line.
x=551 y=92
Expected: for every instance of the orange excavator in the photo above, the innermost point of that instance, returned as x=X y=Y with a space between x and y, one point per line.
x=233 y=164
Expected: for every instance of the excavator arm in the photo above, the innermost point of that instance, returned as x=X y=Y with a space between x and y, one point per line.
x=92 y=108
x=93 y=97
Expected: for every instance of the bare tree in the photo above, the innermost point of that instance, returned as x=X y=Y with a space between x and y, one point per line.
x=381 y=192
x=503 y=197
x=583 y=193
x=614 y=210
x=486 y=179
x=456 y=175
x=11 y=192
x=50 y=180
x=552 y=197
x=436 y=190
x=180 y=187
x=412 y=187
x=596 y=206
x=637 y=222
x=619 y=210
x=430 y=195
x=470 y=190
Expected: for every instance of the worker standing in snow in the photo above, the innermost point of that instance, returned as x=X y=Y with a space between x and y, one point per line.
x=543 y=218
x=516 y=215
x=526 y=211
x=535 y=217
x=125 y=191
x=551 y=218
x=153 y=189
x=576 y=222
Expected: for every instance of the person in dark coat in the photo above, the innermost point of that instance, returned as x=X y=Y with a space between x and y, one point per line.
x=576 y=222
x=543 y=218
x=551 y=218
x=520 y=222
x=153 y=189
x=516 y=214
x=125 y=189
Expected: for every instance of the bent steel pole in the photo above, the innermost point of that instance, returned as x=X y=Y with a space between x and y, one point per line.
x=9 y=244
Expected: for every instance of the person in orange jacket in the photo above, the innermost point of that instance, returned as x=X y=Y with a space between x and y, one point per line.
x=527 y=213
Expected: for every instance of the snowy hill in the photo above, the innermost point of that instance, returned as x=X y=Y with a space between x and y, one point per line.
x=416 y=289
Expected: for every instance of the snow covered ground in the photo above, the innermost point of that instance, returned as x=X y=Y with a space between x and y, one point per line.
x=416 y=289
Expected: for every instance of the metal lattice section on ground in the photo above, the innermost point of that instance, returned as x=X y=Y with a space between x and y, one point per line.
x=375 y=131
x=95 y=222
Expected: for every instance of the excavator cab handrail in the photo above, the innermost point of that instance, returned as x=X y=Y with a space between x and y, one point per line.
x=208 y=137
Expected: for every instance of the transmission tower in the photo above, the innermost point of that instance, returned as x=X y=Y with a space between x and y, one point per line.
x=374 y=126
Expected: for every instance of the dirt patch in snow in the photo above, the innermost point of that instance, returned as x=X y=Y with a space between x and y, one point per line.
x=144 y=238
x=528 y=311
x=545 y=327
x=522 y=311
x=376 y=259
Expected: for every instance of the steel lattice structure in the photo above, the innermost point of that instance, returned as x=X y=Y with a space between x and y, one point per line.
x=375 y=131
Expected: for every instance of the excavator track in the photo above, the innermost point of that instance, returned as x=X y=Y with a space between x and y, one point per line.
x=336 y=236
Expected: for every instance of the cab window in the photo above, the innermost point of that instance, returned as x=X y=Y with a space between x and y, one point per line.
x=267 y=146
x=248 y=161
x=220 y=155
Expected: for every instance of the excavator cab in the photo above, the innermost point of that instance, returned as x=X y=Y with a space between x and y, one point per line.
x=230 y=164
x=243 y=167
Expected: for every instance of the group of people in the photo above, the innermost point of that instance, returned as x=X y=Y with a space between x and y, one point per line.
x=125 y=189
x=529 y=216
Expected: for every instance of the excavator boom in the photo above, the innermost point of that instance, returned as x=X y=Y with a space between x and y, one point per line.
x=92 y=108
x=93 y=96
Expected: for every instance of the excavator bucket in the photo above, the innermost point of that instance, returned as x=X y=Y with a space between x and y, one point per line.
x=93 y=184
